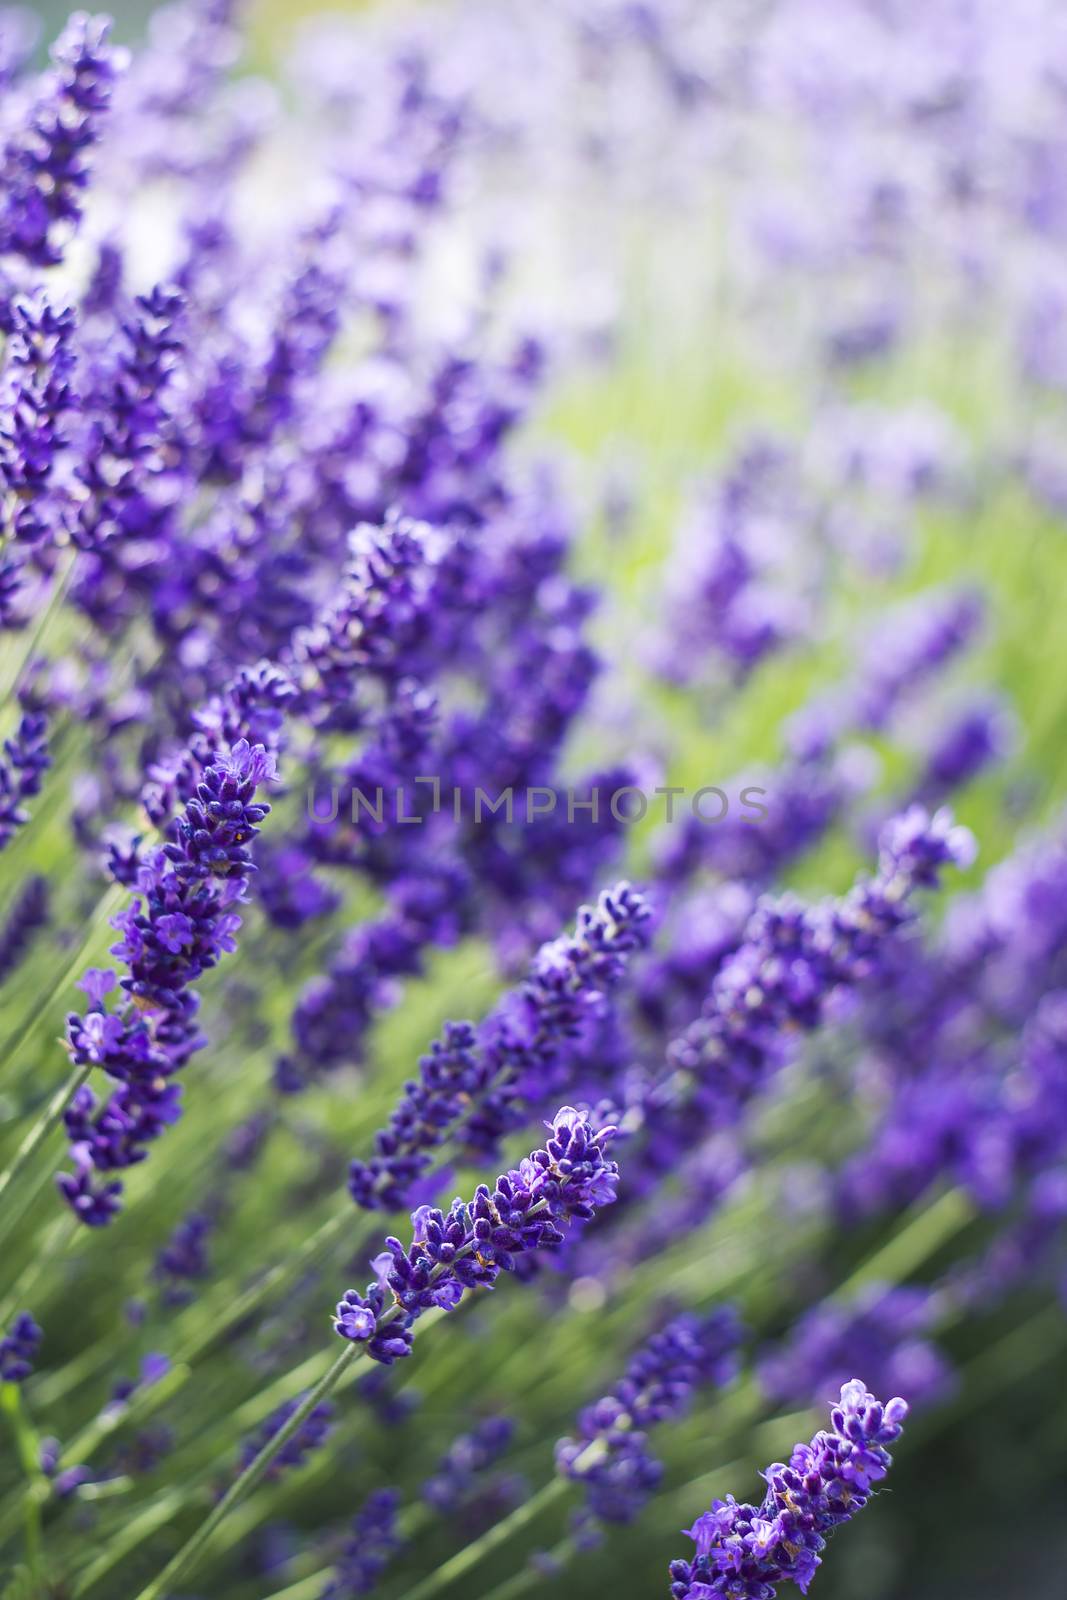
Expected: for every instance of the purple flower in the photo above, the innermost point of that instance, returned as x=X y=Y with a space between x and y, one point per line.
x=34 y=401
x=176 y=928
x=122 y=453
x=312 y=1433
x=25 y=760
x=27 y=916
x=45 y=164
x=183 y=1258
x=780 y=978
x=611 y=1455
x=477 y=1082
x=454 y=1477
x=374 y=1540
x=744 y=1552
x=18 y=1349
x=885 y=1329
x=470 y=1245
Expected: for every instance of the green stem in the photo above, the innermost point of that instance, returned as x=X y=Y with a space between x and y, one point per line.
x=56 y=1241
x=309 y=1588
x=185 y=1560
x=923 y=1233
x=107 y=905
x=34 y=1139
x=520 y=1582
x=139 y=1528
x=310 y=1585
x=475 y=1552
x=55 y=600
x=143 y=1404
x=28 y=1451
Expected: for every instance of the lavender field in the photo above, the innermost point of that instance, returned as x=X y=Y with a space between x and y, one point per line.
x=533 y=806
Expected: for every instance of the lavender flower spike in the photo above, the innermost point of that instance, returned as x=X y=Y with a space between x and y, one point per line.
x=44 y=167
x=24 y=760
x=28 y=915
x=483 y=1078
x=18 y=1349
x=179 y=924
x=35 y=397
x=470 y=1246
x=744 y=1552
x=611 y=1456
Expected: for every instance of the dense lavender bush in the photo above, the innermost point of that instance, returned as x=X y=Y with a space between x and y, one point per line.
x=522 y=528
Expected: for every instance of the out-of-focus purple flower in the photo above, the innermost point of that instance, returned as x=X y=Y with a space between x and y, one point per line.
x=45 y=164
x=183 y=1259
x=26 y=918
x=374 y=1540
x=455 y=1475
x=916 y=641
x=610 y=1456
x=312 y=1433
x=18 y=1349
x=885 y=1329
x=25 y=760
x=972 y=740
x=19 y=32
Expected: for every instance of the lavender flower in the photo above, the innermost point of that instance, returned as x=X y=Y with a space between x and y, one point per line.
x=45 y=165
x=123 y=451
x=18 y=1349
x=472 y=1453
x=885 y=1328
x=470 y=1245
x=793 y=957
x=28 y=915
x=179 y=925
x=611 y=1455
x=477 y=1081
x=35 y=397
x=744 y=1552
x=183 y=1258
x=376 y=615
x=311 y=1434
x=24 y=761
x=922 y=635
x=374 y=1541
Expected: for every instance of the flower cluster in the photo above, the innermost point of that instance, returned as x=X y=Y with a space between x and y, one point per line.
x=179 y=925
x=45 y=164
x=18 y=1349
x=475 y=1083
x=124 y=455
x=22 y=767
x=310 y=1435
x=610 y=1457
x=885 y=1328
x=794 y=957
x=372 y=1544
x=469 y=1246
x=35 y=399
x=744 y=1552
x=472 y=1453
x=27 y=916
